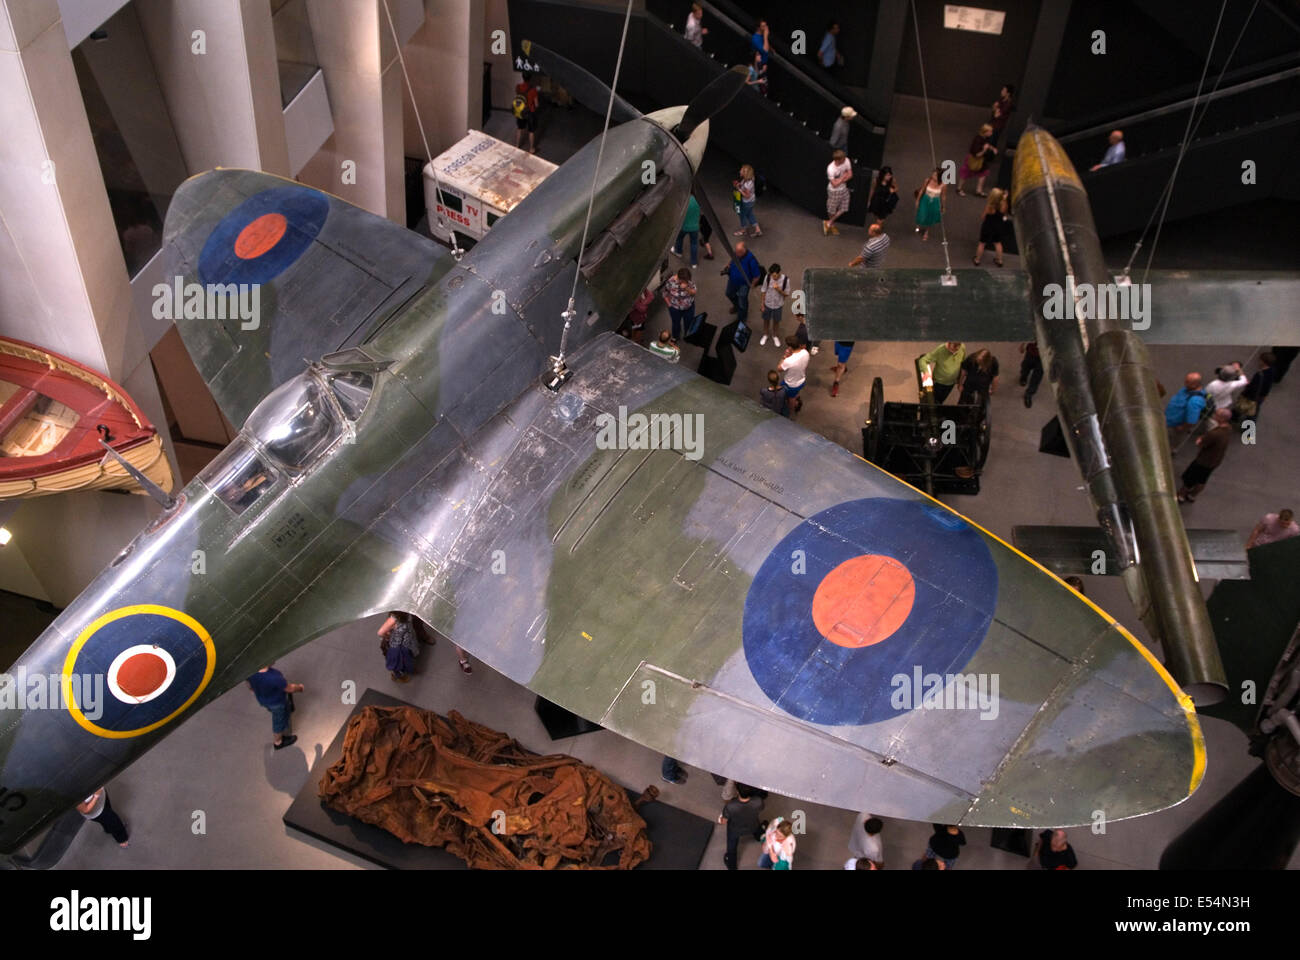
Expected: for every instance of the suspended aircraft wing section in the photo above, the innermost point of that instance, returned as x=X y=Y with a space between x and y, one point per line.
x=263 y=272
x=761 y=603
x=1076 y=551
x=1184 y=307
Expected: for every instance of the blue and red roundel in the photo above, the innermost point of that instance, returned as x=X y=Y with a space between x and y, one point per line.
x=263 y=236
x=859 y=594
x=154 y=662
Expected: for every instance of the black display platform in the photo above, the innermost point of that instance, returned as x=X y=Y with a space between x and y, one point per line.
x=560 y=724
x=679 y=838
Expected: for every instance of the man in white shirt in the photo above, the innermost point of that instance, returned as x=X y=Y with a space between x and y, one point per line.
x=794 y=372
x=864 y=840
x=1225 y=387
x=695 y=30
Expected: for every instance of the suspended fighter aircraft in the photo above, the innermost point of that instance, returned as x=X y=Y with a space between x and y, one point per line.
x=623 y=537
x=1085 y=321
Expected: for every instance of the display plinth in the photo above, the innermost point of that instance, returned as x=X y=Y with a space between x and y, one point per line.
x=679 y=837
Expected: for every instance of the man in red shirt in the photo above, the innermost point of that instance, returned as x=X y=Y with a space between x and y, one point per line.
x=525 y=104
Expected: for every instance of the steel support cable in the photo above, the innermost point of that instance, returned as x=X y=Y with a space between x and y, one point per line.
x=591 y=198
x=456 y=251
x=934 y=158
x=1204 y=110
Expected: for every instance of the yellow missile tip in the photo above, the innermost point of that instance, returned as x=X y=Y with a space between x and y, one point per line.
x=1038 y=155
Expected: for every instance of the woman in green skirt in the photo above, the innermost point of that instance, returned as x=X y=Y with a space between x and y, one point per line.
x=931 y=201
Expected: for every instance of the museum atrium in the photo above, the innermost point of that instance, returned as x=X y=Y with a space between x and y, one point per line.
x=578 y=479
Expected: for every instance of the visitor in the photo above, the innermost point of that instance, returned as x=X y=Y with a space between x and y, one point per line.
x=841 y=365
x=840 y=129
x=399 y=645
x=772 y=396
x=838 y=173
x=873 y=251
x=977 y=160
x=679 y=294
x=1213 y=446
x=994 y=226
x=525 y=105
x=979 y=377
x=931 y=201
x=1053 y=851
x=1185 y=408
x=945 y=361
x=945 y=844
x=884 y=195
x=1273 y=527
x=794 y=369
x=776 y=287
x=1002 y=109
x=273 y=692
x=739 y=284
x=740 y=816
x=744 y=193
x=1115 y=153
x=865 y=840
x=690 y=228
x=1031 y=370
x=778 y=846
x=97 y=809
x=666 y=347
x=828 y=54
x=695 y=29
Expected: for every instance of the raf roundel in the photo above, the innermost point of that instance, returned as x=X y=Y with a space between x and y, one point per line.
x=862 y=593
x=155 y=662
x=263 y=236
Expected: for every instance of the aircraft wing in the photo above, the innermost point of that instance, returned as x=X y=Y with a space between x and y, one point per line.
x=326 y=273
x=1189 y=307
x=764 y=604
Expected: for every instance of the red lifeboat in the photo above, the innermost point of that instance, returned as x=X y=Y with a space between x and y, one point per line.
x=53 y=413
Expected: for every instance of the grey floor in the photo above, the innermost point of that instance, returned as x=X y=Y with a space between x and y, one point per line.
x=218 y=769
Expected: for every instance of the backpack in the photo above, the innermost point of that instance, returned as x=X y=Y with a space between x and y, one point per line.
x=1178 y=406
x=519 y=105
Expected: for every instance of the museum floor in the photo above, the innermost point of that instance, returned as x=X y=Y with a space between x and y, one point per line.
x=220 y=761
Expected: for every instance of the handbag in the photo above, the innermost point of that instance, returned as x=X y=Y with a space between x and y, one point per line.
x=975 y=162
x=1245 y=407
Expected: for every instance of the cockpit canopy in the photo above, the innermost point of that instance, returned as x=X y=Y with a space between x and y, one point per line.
x=300 y=419
x=295 y=423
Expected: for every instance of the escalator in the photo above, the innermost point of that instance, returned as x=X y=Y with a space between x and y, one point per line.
x=782 y=135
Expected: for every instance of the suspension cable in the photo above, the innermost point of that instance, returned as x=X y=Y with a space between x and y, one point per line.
x=1187 y=138
x=934 y=157
x=1204 y=110
x=456 y=251
x=568 y=313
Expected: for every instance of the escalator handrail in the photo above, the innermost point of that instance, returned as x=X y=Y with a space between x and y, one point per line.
x=1275 y=69
x=835 y=98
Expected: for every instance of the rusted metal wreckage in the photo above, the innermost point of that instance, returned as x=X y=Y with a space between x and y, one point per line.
x=452 y=783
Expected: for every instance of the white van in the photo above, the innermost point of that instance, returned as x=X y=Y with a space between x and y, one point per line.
x=482 y=179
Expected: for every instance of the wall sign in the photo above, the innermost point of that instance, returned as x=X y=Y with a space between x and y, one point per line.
x=973 y=18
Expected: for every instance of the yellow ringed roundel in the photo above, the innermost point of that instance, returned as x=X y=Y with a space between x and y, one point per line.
x=154 y=661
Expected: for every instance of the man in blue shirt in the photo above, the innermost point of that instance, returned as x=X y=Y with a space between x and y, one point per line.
x=1185 y=407
x=272 y=691
x=760 y=42
x=1115 y=152
x=738 y=283
x=828 y=53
